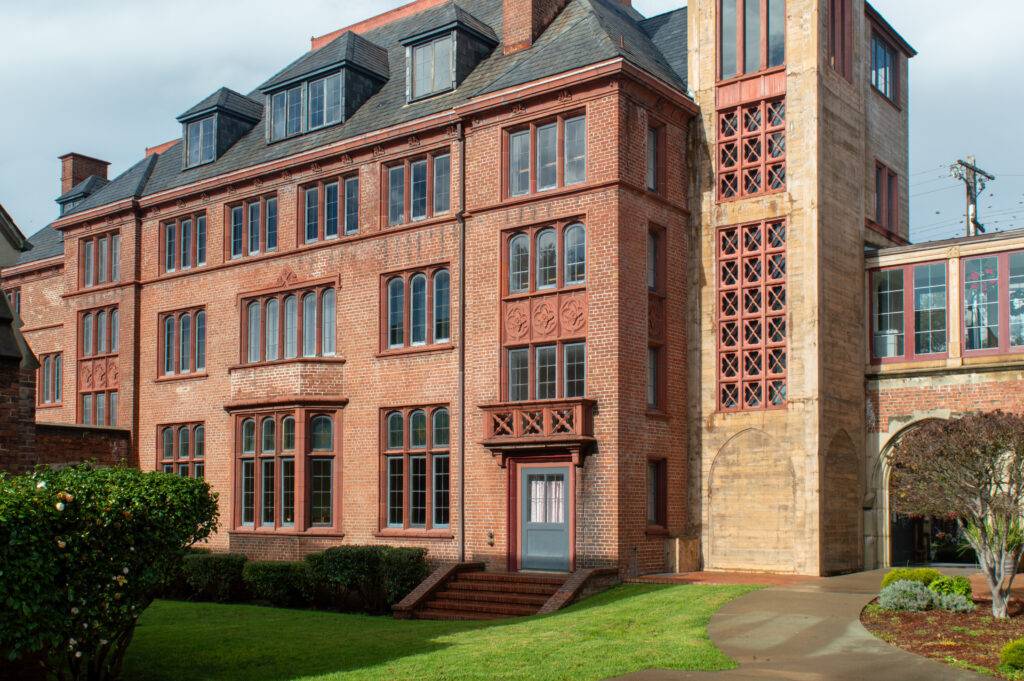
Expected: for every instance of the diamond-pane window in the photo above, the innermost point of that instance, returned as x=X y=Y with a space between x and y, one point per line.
x=752 y=345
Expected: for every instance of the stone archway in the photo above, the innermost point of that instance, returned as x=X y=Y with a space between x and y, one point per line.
x=751 y=506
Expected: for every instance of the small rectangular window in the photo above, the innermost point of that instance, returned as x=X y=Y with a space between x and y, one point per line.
x=519 y=163
x=418 y=208
x=884 y=63
x=652 y=159
x=417 y=491
x=288 y=492
x=236 y=231
x=267 y=488
x=432 y=67
x=200 y=142
x=90 y=274
x=271 y=225
x=352 y=205
x=575 y=150
x=170 y=247
x=441 y=487
x=930 y=309
x=286 y=113
x=547 y=157
x=653 y=377
x=519 y=375
x=254 y=227
x=87 y=409
x=321 y=492
x=186 y=244
x=331 y=210
x=656 y=488
x=575 y=370
x=312 y=215
x=442 y=183
x=396 y=195
x=248 y=492
x=546 y=368
x=103 y=257
x=395 y=491
x=115 y=257
x=888 y=317
x=653 y=256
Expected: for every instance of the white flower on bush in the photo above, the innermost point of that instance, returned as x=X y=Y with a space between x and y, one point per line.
x=61 y=544
x=72 y=643
x=41 y=484
x=74 y=611
x=59 y=506
x=78 y=654
x=103 y=641
x=125 y=570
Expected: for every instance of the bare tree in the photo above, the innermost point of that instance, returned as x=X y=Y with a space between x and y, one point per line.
x=971 y=469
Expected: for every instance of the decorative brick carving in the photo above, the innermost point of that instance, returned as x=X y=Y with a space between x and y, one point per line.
x=574 y=315
x=545 y=317
x=517 y=324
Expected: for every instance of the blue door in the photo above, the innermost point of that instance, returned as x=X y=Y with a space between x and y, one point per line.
x=545 y=520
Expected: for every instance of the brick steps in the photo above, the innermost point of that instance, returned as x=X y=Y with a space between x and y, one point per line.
x=432 y=614
x=477 y=595
x=506 y=587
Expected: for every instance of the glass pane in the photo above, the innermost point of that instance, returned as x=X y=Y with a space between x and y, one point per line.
x=981 y=303
x=518 y=375
x=186 y=244
x=519 y=264
x=546 y=371
x=287 y=491
x=194 y=143
x=538 y=494
x=115 y=331
x=728 y=38
x=200 y=444
x=103 y=254
x=183 y=440
x=439 y=428
x=312 y=215
x=87 y=409
x=442 y=183
x=395 y=431
x=273 y=329
x=417 y=491
x=208 y=139
x=442 y=306
x=351 y=205
x=547 y=156
x=322 y=439
x=556 y=498
x=396 y=313
x=652 y=377
x=652 y=493
x=316 y=103
x=254 y=332
x=418 y=430
x=271 y=224
x=776 y=32
x=519 y=163
x=575 y=150
x=253 y=228
x=333 y=106
x=185 y=343
x=442 y=64
x=441 y=491
x=575 y=255
x=200 y=341
x=888 y=318
x=575 y=369
x=752 y=36
x=236 y=232
x=419 y=189
x=101 y=409
x=396 y=195
x=295 y=110
x=89 y=272
x=169 y=345
x=268 y=437
x=331 y=210
x=267 y=496
x=1016 y=301
x=249 y=436
x=418 y=310
x=309 y=325
x=115 y=255
x=930 y=309
x=320 y=491
x=102 y=340
x=547 y=259
x=395 y=491
x=328 y=331
x=422 y=69
x=113 y=408
x=288 y=434
x=277 y=126
x=652 y=159
x=170 y=248
x=248 y=492
x=168 y=443
x=291 y=327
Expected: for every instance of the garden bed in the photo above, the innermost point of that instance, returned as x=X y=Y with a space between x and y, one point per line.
x=967 y=640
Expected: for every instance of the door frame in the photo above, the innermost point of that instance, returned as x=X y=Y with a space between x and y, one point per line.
x=514 y=511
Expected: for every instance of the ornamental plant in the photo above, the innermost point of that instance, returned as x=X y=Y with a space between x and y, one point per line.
x=83 y=552
x=905 y=596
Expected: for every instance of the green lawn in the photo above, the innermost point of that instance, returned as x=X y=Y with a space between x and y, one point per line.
x=626 y=629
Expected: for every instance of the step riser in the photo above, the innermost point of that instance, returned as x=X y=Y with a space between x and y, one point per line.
x=454 y=615
x=517 y=577
x=505 y=609
x=481 y=595
x=492 y=597
x=502 y=588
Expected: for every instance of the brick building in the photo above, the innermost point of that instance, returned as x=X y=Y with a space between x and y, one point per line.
x=538 y=283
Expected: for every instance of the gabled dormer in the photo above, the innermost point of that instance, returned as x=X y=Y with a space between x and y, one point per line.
x=324 y=87
x=447 y=47
x=210 y=127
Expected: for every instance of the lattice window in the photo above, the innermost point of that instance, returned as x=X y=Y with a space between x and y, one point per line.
x=752 y=149
x=752 y=330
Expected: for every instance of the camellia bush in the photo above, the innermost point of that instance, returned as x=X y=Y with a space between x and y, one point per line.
x=83 y=551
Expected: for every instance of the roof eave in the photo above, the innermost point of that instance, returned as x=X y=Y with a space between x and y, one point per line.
x=890 y=32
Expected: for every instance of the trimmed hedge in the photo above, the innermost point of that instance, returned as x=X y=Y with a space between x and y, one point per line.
x=951 y=585
x=923 y=576
x=214 y=576
x=1012 y=655
x=279 y=583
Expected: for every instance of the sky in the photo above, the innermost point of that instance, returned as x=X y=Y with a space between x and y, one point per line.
x=106 y=78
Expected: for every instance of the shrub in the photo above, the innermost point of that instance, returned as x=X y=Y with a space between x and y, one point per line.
x=954 y=602
x=83 y=551
x=276 y=582
x=214 y=576
x=951 y=585
x=923 y=576
x=905 y=595
x=1012 y=655
x=369 y=578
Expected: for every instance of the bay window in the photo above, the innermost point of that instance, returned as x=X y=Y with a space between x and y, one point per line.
x=100 y=332
x=909 y=312
x=50 y=379
x=308 y=322
x=993 y=303
x=100 y=259
x=548 y=270
x=546 y=371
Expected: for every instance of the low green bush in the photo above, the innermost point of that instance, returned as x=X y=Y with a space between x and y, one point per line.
x=366 y=578
x=951 y=585
x=954 y=603
x=1012 y=655
x=923 y=576
x=905 y=595
x=278 y=583
x=214 y=576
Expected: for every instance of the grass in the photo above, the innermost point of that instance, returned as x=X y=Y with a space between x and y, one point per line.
x=626 y=629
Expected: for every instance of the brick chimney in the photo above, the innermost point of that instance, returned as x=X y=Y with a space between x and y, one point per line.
x=525 y=20
x=76 y=167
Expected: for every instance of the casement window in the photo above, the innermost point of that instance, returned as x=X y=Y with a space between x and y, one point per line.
x=418 y=188
x=885 y=66
x=286 y=480
x=752 y=149
x=14 y=299
x=887 y=198
x=431 y=67
x=98 y=408
x=100 y=333
x=657 y=493
x=286 y=113
x=653 y=174
x=752 y=305
x=909 y=312
x=183 y=243
x=546 y=155
x=100 y=259
x=840 y=37
x=993 y=304
x=415 y=469
x=252 y=227
x=325 y=97
x=50 y=379
x=546 y=258
x=546 y=371
x=328 y=207
x=182 y=346
x=181 y=450
x=417 y=308
x=200 y=144
x=752 y=36
x=281 y=325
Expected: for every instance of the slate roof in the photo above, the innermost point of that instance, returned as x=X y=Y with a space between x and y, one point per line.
x=228 y=100
x=449 y=15
x=87 y=186
x=46 y=243
x=584 y=33
x=347 y=48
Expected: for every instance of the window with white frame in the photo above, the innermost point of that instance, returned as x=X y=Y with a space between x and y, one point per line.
x=200 y=141
x=325 y=97
x=286 y=113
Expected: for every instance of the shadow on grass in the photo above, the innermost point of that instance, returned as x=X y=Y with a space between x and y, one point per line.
x=181 y=640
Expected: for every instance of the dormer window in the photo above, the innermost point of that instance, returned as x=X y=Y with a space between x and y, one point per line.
x=199 y=141
x=325 y=101
x=433 y=69
x=287 y=113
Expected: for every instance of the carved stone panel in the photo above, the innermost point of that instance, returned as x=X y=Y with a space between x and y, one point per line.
x=543 y=318
x=95 y=375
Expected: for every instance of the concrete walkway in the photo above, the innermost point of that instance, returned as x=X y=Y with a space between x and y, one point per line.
x=805 y=631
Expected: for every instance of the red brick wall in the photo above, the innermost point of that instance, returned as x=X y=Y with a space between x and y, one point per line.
x=525 y=20
x=61 y=444
x=17 y=400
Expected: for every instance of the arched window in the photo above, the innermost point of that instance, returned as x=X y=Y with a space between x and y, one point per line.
x=418 y=429
x=115 y=331
x=327 y=319
x=169 y=345
x=249 y=436
x=442 y=307
x=396 y=313
x=47 y=374
x=200 y=341
x=291 y=327
x=519 y=264
x=254 y=332
x=200 y=444
x=267 y=438
x=309 y=325
x=273 y=329
x=168 y=443
x=185 y=343
x=547 y=259
x=418 y=311
x=322 y=434
x=87 y=335
x=440 y=434
x=288 y=433
x=183 y=442
x=102 y=340
x=575 y=255
x=395 y=428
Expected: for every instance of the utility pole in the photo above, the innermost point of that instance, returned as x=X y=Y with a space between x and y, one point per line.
x=973 y=178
